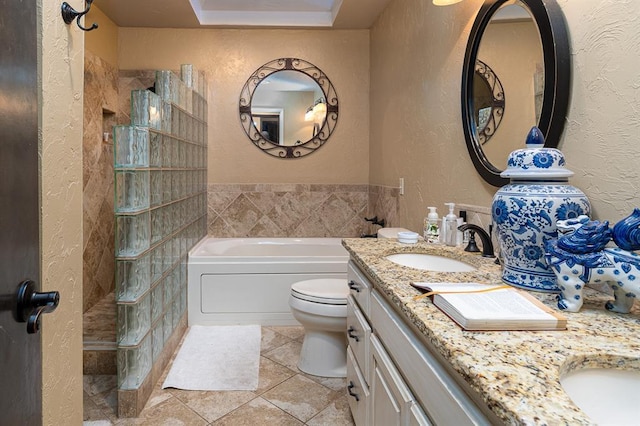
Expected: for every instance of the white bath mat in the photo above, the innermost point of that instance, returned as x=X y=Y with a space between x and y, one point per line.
x=214 y=358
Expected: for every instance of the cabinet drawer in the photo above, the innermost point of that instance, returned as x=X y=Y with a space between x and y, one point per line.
x=358 y=390
x=358 y=331
x=439 y=395
x=360 y=288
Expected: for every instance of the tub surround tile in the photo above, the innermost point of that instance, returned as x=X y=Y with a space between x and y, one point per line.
x=286 y=210
x=265 y=228
x=291 y=209
x=515 y=373
x=218 y=201
x=216 y=225
x=241 y=215
x=384 y=203
x=336 y=210
x=264 y=201
x=310 y=230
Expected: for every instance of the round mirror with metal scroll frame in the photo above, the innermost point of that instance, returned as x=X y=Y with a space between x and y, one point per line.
x=556 y=71
x=489 y=102
x=265 y=116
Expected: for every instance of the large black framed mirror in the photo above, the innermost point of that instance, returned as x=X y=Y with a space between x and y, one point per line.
x=502 y=31
x=288 y=108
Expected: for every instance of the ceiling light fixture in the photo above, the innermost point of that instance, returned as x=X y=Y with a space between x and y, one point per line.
x=445 y=2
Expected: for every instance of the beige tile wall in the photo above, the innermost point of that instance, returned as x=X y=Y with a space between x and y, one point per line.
x=298 y=210
x=383 y=202
x=287 y=210
x=100 y=104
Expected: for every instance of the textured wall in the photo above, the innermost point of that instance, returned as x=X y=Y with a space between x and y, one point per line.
x=103 y=43
x=602 y=137
x=228 y=57
x=417 y=51
x=61 y=81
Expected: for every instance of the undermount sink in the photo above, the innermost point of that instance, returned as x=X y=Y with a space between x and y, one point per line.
x=608 y=396
x=430 y=262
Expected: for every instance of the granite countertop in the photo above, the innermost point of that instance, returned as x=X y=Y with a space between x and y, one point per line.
x=516 y=373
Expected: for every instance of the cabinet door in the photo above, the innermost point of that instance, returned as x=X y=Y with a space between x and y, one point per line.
x=359 y=397
x=417 y=417
x=391 y=399
x=358 y=331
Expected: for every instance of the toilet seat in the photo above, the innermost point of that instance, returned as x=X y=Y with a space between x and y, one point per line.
x=328 y=291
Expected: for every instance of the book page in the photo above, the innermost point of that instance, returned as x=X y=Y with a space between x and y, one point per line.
x=497 y=304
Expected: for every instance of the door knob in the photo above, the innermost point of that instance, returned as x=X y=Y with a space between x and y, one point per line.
x=32 y=304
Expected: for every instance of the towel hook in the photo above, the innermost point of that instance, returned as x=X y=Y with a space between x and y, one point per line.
x=69 y=14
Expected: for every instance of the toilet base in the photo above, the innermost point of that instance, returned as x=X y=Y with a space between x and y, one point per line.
x=324 y=354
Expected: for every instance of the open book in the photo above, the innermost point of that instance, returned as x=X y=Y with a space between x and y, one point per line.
x=492 y=307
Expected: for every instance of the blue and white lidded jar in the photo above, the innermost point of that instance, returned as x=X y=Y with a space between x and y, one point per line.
x=526 y=210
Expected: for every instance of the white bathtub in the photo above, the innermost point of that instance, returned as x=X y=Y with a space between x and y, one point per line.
x=248 y=280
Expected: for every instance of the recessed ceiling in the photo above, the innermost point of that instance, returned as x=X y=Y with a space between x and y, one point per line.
x=338 y=14
x=269 y=12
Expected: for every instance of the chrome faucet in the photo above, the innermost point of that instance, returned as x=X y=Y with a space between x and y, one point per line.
x=487 y=245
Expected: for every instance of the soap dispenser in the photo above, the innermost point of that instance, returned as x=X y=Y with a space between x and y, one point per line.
x=431 y=226
x=451 y=226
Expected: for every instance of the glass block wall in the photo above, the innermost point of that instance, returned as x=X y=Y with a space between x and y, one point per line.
x=160 y=209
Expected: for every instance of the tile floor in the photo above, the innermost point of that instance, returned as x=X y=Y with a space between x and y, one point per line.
x=285 y=395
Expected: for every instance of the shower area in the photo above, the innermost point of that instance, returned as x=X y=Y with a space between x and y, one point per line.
x=145 y=206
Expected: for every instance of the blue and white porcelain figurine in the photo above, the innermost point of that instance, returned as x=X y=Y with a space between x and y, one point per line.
x=526 y=210
x=580 y=256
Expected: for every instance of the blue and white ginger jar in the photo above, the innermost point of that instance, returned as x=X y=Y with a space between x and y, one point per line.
x=526 y=210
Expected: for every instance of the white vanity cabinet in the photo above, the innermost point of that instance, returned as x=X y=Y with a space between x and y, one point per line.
x=393 y=378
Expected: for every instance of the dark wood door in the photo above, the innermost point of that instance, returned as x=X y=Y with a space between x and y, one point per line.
x=20 y=353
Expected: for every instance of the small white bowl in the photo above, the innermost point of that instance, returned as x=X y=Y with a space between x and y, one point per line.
x=408 y=237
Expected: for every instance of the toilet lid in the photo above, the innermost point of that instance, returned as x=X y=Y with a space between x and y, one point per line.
x=326 y=290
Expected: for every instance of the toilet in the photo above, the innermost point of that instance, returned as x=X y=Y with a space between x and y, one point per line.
x=320 y=305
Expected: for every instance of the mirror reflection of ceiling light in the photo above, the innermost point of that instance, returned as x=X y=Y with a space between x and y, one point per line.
x=309 y=116
x=317 y=112
x=320 y=107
